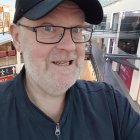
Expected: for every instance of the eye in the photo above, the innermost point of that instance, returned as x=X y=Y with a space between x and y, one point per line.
x=49 y=28
x=76 y=30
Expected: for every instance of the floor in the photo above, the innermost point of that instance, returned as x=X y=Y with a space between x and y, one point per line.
x=88 y=72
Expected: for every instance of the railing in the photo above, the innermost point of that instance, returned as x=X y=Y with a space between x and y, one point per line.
x=125 y=27
x=7 y=53
x=113 y=34
x=8 y=58
x=3 y=54
x=96 y=69
x=121 y=59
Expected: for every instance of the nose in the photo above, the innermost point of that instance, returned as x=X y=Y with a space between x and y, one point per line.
x=67 y=43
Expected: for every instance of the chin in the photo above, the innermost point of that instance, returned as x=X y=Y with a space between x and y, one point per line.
x=62 y=86
x=59 y=86
x=59 y=89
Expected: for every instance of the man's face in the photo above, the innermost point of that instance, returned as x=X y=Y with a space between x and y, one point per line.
x=53 y=67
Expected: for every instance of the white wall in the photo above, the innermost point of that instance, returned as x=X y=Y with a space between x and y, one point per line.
x=8 y=2
x=122 y=5
x=135 y=84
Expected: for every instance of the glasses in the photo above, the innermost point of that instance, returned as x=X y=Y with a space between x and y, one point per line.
x=49 y=34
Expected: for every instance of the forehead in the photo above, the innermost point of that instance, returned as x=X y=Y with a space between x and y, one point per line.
x=67 y=10
x=69 y=6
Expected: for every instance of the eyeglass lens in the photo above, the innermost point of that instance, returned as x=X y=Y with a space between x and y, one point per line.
x=52 y=34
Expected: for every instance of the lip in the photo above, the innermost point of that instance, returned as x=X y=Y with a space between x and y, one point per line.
x=63 y=63
x=64 y=68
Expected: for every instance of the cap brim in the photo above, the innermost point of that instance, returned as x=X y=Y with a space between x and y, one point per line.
x=92 y=9
x=42 y=9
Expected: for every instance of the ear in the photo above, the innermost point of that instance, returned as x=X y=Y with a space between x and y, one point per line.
x=15 y=33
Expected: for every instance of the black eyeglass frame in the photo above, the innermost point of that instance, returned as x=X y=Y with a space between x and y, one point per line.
x=34 y=29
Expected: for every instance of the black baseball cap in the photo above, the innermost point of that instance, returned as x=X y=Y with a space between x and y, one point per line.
x=36 y=9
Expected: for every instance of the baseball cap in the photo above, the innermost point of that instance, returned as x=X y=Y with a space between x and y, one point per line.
x=36 y=9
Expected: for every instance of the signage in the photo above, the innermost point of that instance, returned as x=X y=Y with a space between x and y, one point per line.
x=7 y=73
x=5 y=78
x=126 y=75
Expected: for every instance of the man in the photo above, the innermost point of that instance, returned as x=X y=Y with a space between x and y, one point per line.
x=45 y=101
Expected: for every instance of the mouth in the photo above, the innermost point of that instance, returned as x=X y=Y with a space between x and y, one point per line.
x=63 y=63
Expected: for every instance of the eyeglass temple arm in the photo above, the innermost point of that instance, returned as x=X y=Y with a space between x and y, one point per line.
x=27 y=27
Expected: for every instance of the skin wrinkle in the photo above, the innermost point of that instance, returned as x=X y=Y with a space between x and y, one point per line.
x=47 y=83
x=56 y=56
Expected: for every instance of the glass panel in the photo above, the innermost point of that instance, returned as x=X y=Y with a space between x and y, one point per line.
x=128 y=46
x=130 y=21
x=107 y=2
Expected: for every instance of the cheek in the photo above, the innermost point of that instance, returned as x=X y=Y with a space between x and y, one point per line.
x=32 y=47
x=36 y=50
x=81 y=50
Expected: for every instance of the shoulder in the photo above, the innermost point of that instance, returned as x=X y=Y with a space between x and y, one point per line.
x=93 y=87
x=7 y=90
x=99 y=94
x=7 y=86
x=103 y=94
x=97 y=87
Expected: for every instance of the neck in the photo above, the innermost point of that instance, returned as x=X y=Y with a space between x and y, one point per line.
x=52 y=106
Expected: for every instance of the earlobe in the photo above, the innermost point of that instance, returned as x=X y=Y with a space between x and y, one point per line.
x=14 y=31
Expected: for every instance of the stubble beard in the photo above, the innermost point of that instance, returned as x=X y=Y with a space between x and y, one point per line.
x=46 y=81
